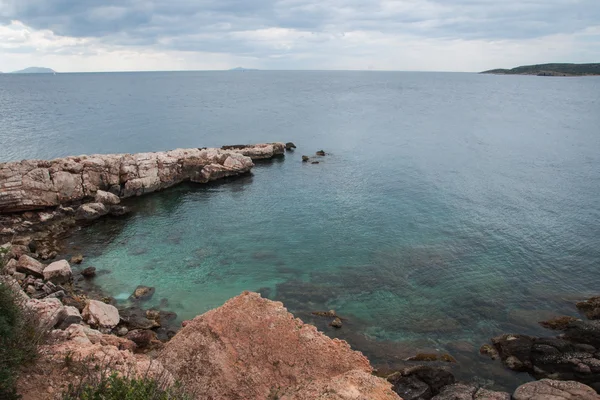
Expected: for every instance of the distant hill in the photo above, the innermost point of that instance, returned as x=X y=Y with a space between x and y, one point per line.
x=35 y=70
x=550 y=70
x=242 y=69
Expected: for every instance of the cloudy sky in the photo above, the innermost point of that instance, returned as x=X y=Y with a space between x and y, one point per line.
x=431 y=35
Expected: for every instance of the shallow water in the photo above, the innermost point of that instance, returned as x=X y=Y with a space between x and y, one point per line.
x=451 y=208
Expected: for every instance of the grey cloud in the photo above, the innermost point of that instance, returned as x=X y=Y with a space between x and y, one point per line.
x=210 y=25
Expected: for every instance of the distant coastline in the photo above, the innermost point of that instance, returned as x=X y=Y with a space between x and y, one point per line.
x=35 y=70
x=550 y=70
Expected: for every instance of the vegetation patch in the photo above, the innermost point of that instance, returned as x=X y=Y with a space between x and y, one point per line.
x=20 y=336
x=102 y=383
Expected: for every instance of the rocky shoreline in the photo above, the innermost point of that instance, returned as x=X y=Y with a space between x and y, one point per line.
x=249 y=348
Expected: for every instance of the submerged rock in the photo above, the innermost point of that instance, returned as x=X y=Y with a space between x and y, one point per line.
x=250 y=347
x=77 y=259
x=89 y=272
x=336 y=323
x=143 y=292
x=558 y=323
x=328 y=314
x=590 y=307
x=432 y=357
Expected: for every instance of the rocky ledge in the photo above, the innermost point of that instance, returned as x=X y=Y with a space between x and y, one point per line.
x=38 y=184
x=574 y=355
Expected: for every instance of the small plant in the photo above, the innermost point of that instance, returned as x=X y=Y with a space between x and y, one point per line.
x=100 y=382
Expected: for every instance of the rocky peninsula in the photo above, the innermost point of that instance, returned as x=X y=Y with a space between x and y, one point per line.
x=38 y=184
x=248 y=348
x=556 y=69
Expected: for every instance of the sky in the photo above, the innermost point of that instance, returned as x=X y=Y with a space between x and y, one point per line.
x=424 y=35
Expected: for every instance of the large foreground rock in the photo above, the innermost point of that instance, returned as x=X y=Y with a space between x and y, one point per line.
x=101 y=315
x=252 y=348
x=36 y=184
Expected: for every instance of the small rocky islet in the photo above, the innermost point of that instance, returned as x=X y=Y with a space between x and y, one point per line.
x=217 y=354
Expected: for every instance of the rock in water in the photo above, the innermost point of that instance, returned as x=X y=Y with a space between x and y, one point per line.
x=420 y=382
x=89 y=272
x=77 y=259
x=143 y=293
x=547 y=389
x=336 y=323
x=289 y=146
x=590 y=307
x=58 y=272
x=30 y=266
x=101 y=315
x=251 y=346
x=107 y=198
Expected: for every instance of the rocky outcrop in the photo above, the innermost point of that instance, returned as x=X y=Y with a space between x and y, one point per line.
x=252 y=348
x=572 y=356
x=37 y=184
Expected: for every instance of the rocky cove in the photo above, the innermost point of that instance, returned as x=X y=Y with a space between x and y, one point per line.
x=250 y=347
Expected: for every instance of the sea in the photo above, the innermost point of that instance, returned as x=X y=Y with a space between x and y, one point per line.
x=450 y=207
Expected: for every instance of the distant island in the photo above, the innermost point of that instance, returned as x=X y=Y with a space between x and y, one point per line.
x=242 y=69
x=550 y=70
x=35 y=70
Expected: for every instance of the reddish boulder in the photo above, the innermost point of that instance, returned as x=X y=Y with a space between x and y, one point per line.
x=251 y=346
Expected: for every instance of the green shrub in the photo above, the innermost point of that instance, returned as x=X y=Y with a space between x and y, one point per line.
x=116 y=387
x=20 y=335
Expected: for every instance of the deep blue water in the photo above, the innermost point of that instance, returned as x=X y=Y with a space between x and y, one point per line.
x=451 y=208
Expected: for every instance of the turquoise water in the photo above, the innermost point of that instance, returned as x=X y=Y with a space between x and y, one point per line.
x=451 y=208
